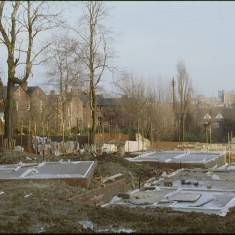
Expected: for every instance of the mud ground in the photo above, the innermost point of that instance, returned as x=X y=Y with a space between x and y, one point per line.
x=43 y=207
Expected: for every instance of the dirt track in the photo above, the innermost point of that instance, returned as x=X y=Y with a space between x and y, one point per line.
x=35 y=207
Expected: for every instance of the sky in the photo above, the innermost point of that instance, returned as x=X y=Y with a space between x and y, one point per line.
x=154 y=35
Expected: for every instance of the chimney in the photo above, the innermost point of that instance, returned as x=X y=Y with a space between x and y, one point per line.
x=52 y=92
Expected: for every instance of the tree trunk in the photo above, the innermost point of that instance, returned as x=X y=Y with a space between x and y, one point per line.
x=9 y=110
x=92 y=85
x=26 y=20
x=181 y=128
x=93 y=114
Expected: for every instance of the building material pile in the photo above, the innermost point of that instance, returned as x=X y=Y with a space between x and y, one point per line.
x=45 y=146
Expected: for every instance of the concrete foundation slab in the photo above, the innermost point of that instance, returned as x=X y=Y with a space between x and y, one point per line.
x=180 y=159
x=206 y=201
x=76 y=171
x=210 y=191
x=219 y=179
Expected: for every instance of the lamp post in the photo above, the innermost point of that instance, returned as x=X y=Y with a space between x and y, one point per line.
x=77 y=131
x=206 y=129
x=151 y=133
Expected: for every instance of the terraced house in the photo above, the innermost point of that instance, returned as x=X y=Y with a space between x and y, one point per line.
x=30 y=107
x=39 y=113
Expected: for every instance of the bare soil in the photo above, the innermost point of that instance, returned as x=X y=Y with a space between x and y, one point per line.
x=43 y=207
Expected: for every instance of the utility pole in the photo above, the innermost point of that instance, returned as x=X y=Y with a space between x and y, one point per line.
x=77 y=132
x=173 y=83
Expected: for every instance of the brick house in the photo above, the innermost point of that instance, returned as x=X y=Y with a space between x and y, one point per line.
x=68 y=109
x=107 y=111
x=39 y=113
x=30 y=108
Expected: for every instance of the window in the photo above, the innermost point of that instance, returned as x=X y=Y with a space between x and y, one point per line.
x=216 y=125
x=28 y=105
x=99 y=121
x=68 y=112
x=17 y=106
x=111 y=121
x=19 y=92
x=40 y=105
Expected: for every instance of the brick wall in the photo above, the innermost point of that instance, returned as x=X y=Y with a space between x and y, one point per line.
x=112 y=136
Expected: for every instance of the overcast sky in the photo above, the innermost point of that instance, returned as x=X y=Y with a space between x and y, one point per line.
x=155 y=35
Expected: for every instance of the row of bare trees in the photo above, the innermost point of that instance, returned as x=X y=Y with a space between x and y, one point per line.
x=78 y=59
x=154 y=109
x=72 y=61
x=20 y=24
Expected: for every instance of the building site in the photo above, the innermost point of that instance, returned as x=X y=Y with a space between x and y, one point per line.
x=89 y=146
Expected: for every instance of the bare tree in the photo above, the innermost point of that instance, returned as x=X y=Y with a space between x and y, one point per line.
x=146 y=107
x=185 y=96
x=20 y=24
x=133 y=101
x=95 y=53
x=159 y=111
x=64 y=70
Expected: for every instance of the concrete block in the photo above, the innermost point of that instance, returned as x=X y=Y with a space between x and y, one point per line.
x=168 y=183
x=109 y=148
x=124 y=195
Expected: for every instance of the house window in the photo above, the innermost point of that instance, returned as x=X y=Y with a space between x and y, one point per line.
x=68 y=112
x=123 y=123
x=28 y=105
x=111 y=121
x=19 y=92
x=17 y=106
x=69 y=125
x=40 y=105
x=99 y=121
